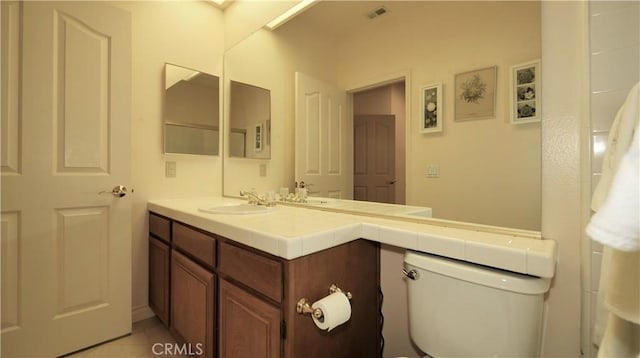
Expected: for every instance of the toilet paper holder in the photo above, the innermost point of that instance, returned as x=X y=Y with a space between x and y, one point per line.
x=304 y=307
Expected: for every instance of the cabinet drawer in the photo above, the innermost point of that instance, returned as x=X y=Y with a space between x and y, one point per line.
x=160 y=227
x=258 y=272
x=197 y=244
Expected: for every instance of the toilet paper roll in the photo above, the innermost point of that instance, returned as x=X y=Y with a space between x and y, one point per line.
x=336 y=310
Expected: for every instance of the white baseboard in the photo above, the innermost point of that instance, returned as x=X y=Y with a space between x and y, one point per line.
x=141 y=313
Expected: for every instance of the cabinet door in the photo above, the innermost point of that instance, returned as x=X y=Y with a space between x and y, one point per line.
x=249 y=327
x=192 y=304
x=159 y=265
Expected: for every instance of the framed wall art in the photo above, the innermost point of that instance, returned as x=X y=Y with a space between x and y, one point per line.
x=431 y=108
x=525 y=92
x=259 y=137
x=475 y=94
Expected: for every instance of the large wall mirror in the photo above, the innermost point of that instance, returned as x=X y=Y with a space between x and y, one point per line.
x=382 y=55
x=250 y=121
x=191 y=112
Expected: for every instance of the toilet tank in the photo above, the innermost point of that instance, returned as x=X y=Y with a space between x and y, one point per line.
x=460 y=309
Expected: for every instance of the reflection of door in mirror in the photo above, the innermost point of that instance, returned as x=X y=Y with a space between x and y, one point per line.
x=374 y=158
x=323 y=133
x=191 y=113
x=250 y=121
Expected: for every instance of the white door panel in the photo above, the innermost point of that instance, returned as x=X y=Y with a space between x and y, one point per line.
x=323 y=133
x=67 y=274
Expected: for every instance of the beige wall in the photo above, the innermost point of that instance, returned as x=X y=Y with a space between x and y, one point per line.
x=189 y=34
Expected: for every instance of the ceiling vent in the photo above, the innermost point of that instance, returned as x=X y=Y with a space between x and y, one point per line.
x=377 y=12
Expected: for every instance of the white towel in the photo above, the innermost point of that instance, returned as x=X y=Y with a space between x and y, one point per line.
x=619 y=141
x=616 y=224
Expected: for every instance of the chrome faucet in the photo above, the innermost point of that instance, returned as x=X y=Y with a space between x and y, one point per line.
x=255 y=199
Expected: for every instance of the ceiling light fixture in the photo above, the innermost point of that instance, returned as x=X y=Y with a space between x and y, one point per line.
x=289 y=14
x=221 y=4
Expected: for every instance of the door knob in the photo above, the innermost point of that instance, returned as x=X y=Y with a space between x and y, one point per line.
x=390 y=182
x=118 y=191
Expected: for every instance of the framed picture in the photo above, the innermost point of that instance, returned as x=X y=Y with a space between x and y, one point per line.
x=525 y=92
x=431 y=108
x=475 y=94
x=259 y=137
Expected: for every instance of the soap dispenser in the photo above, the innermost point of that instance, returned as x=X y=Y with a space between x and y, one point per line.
x=302 y=191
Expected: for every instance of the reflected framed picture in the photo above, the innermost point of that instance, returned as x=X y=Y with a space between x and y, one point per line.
x=475 y=94
x=259 y=137
x=525 y=93
x=431 y=108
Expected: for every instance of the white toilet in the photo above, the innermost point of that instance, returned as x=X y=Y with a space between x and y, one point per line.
x=459 y=309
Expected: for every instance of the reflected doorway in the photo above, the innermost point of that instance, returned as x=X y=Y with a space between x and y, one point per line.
x=374 y=158
x=379 y=114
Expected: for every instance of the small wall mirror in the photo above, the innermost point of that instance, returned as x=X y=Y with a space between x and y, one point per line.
x=250 y=121
x=192 y=111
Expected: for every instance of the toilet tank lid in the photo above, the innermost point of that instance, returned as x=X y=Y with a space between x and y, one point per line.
x=478 y=274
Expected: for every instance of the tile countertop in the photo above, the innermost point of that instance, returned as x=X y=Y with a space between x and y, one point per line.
x=291 y=232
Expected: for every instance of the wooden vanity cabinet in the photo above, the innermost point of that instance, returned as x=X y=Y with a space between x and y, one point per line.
x=241 y=302
x=159 y=266
x=259 y=292
x=354 y=267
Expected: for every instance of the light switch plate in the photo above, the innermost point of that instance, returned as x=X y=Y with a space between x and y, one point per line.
x=433 y=171
x=170 y=169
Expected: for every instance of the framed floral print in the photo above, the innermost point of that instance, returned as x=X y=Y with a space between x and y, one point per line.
x=475 y=94
x=259 y=137
x=525 y=93
x=431 y=108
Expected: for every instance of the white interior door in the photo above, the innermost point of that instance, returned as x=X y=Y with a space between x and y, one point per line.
x=66 y=249
x=323 y=153
x=374 y=158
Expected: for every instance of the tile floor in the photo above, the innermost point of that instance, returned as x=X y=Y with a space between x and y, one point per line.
x=140 y=343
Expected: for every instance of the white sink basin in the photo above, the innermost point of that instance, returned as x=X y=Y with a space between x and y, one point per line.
x=236 y=209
